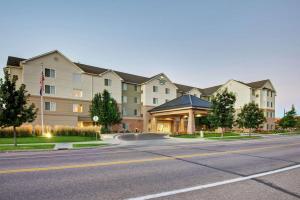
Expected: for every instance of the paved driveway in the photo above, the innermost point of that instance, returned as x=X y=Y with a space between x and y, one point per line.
x=142 y=136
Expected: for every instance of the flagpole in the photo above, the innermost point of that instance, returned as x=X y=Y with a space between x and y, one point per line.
x=41 y=94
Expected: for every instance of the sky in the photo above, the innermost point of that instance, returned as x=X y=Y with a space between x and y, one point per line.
x=197 y=43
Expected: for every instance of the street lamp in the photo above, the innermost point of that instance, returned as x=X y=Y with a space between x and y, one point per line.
x=95 y=119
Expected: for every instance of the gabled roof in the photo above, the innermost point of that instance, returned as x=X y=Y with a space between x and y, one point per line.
x=258 y=84
x=14 y=61
x=185 y=101
x=211 y=90
x=136 y=79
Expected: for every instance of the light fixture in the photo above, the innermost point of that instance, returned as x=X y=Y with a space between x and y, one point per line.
x=48 y=135
x=198 y=115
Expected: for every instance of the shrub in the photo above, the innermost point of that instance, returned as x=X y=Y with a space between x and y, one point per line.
x=30 y=131
x=104 y=130
x=24 y=131
x=75 y=131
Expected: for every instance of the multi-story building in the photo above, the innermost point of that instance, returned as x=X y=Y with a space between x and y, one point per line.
x=70 y=87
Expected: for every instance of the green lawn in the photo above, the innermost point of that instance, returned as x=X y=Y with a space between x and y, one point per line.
x=186 y=136
x=25 y=147
x=88 y=145
x=212 y=134
x=29 y=140
x=235 y=138
x=206 y=135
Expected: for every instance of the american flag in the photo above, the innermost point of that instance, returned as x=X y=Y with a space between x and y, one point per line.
x=42 y=84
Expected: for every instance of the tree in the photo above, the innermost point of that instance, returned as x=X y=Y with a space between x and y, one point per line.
x=289 y=120
x=14 y=108
x=222 y=110
x=250 y=117
x=106 y=108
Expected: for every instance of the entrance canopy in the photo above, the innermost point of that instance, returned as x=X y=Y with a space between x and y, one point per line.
x=178 y=115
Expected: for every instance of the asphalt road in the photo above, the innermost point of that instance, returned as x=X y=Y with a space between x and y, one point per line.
x=256 y=169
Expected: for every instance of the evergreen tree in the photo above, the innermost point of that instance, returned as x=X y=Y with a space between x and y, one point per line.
x=250 y=117
x=222 y=110
x=14 y=108
x=289 y=120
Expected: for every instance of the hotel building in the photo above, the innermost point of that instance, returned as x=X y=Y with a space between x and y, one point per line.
x=155 y=104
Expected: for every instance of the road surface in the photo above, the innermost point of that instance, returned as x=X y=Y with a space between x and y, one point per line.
x=252 y=169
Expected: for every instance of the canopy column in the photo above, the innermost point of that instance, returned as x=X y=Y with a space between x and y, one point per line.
x=191 y=122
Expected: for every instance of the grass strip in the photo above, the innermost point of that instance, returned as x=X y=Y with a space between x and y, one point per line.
x=54 y=139
x=25 y=147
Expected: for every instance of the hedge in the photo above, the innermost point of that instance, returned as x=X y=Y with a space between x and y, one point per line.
x=29 y=131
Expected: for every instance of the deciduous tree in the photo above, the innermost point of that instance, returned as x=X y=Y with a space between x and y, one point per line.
x=222 y=110
x=250 y=117
x=14 y=107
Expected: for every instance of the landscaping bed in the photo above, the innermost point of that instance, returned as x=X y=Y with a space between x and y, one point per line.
x=206 y=135
x=54 y=139
x=235 y=138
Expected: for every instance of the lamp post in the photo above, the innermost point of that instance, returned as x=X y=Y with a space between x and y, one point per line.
x=95 y=119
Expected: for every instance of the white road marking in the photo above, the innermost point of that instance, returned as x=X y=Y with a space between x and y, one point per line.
x=200 y=187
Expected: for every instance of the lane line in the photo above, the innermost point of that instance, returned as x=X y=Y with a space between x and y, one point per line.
x=121 y=162
x=201 y=187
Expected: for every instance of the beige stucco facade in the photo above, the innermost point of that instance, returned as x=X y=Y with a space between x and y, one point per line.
x=75 y=86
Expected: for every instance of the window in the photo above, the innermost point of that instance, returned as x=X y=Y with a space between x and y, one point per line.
x=268 y=92
x=271 y=94
x=124 y=86
x=135 y=112
x=135 y=100
x=271 y=104
x=76 y=77
x=167 y=100
x=49 y=89
x=124 y=113
x=77 y=108
x=267 y=126
x=50 y=73
x=155 y=100
x=167 y=91
x=135 y=87
x=107 y=82
x=125 y=126
x=50 y=106
x=155 y=89
x=253 y=92
x=267 y=104
x=124 y=99
x=77 y=92
x=15 y=77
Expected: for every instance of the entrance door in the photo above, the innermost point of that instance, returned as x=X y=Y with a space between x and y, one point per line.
x=164 y=127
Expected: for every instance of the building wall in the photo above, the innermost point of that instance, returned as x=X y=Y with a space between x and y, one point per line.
x=63 y=115
x=148 y=94
x=131 y=105
x=241 y=91
x=195 y=92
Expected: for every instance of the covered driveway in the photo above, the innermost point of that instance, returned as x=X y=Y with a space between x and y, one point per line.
x=178 y=115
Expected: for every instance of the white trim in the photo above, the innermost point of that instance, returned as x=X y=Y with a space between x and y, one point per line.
x=51 y=52
x=112 y=71
x=160 y=74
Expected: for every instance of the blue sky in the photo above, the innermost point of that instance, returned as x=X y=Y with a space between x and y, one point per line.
x=199 y=43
